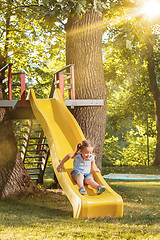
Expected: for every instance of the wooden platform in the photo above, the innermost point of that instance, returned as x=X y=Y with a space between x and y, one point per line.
x=16 y=111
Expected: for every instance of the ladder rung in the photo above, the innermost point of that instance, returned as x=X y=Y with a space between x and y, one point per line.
x=5 y=80
x=21 y=145
x=66 y=73
x=67 y=88
x=16 y=84
x=22 y=138
x=37 y=144
x=27 y=163
x=36 y=138
x=24 y=132
x=34 y=168
x=37 y=131
x=56 y=82
x=34 y=173
x=36 y=150
x=68 y=77
x=26 y=125
x=34 y=157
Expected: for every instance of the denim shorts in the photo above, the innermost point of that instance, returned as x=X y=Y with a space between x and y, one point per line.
x=75 y=172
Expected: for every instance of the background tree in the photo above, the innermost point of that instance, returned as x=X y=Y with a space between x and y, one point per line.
x=136 y=42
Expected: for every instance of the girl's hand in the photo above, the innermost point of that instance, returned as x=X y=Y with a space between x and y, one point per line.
x=60 y=167
x=96 y=170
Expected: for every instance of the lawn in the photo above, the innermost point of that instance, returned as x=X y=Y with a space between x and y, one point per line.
x=49 y=214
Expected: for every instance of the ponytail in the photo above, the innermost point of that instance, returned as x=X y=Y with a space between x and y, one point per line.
x=81 y=146
x=78 y=146
x=77 y=150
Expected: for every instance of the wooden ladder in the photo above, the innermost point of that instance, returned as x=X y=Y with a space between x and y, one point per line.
x=33 y=148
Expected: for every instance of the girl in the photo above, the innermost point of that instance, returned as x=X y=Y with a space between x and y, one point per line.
x=84 y=160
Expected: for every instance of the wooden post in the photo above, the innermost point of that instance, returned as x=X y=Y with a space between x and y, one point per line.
x=72 y=82
x=23 y=97
x=9 y=82
x=61 y=83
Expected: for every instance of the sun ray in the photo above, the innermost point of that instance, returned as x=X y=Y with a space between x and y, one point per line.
x=151 y=8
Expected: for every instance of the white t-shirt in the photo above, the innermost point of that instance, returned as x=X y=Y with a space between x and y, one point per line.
x=82 y=166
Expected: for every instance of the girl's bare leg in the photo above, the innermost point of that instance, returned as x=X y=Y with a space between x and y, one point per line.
x=90 y=181
x=80 y=179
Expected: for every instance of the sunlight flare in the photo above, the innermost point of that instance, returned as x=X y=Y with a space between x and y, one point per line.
x=151 y=8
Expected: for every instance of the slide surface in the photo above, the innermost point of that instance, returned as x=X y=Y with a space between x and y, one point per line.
x=63 y=134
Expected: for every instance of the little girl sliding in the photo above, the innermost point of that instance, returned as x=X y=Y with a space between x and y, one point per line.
x=84 y=160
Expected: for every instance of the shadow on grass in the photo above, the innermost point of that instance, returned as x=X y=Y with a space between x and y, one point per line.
x=22 y=212
x=141 y=207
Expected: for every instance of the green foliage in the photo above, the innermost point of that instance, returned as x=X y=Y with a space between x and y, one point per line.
x=129 y=121
x=126 y=138
x=30 y=45
x=55 y=10
x=130 y=101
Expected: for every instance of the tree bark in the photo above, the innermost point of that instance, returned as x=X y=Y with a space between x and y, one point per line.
x=84 y=50
x=156 y=96
x=13 y=177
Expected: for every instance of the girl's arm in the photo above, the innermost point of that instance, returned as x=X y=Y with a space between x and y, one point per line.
x=65 y=159
x=93 y=167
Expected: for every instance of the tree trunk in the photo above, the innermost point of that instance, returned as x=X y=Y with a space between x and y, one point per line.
x=13 y=177
x=84 y=50
x=156 y=96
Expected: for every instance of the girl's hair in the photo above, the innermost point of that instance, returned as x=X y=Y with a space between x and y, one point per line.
x=82 y=145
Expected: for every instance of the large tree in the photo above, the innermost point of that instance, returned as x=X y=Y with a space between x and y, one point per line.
x=83 y=23
x=84 y=49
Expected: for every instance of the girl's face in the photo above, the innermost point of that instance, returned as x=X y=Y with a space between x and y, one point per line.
x=87 y=152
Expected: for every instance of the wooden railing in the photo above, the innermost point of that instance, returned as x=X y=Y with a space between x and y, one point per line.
x=64 y=80
x=7 y=83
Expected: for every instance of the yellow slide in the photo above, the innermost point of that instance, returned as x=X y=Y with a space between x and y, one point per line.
x=63 y=134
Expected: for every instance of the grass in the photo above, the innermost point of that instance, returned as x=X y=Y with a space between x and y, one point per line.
x=49 y=215
x=131 y=170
